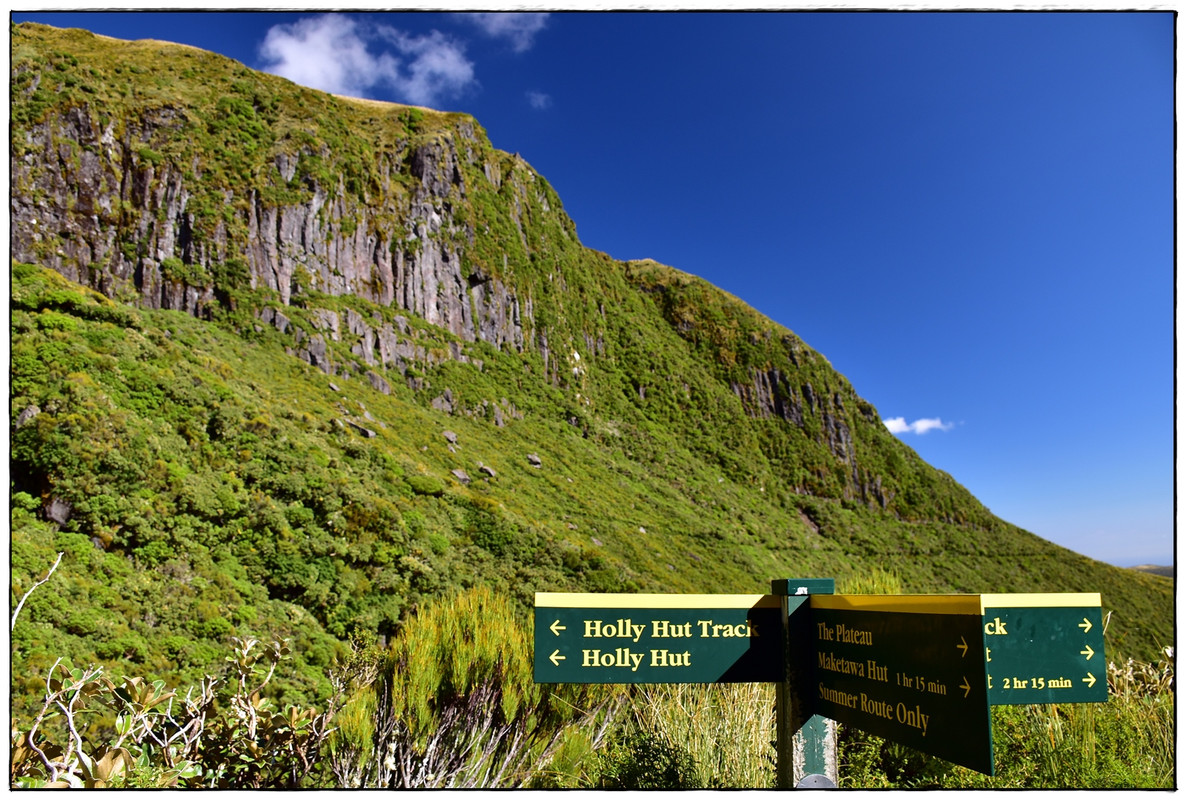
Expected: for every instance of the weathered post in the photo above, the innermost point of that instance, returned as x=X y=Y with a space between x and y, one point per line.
x=806 y=742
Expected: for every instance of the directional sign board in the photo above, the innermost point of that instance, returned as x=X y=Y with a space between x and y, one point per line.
x=1044 y=648
x=921 y=670
x=908 y=668
x=657 y=638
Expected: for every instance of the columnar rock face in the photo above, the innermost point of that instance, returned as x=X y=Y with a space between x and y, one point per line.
x=103 y=210
x=770 y=396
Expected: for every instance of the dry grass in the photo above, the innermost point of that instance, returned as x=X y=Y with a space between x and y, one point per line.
x=727 y=729
x=1135 y=679
x=365 y=101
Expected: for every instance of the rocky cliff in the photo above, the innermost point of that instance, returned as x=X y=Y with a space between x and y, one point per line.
x=176 y=179
x=96 y=203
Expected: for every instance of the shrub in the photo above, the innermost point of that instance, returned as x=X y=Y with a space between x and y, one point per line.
x=456 y=705
x=490 y=532
x=176 y=270
x=53 y=321
x=425 y=485
x=162 y=739
x=645 y=760
x=25 y=502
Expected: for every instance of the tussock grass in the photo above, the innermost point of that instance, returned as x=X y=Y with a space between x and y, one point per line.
x=694 y=736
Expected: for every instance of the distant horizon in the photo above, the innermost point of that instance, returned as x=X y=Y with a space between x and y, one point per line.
x=970 y=215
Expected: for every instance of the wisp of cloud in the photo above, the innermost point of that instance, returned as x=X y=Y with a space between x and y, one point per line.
x=332 y=54
x=539 y=100
x=517 y=28
x=898 y=425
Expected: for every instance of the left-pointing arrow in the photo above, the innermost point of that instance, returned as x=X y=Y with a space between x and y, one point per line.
x=556 y=658
x=556 y=627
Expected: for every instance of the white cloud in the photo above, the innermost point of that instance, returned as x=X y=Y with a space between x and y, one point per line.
x=324 y=53
x=439 y=66
x=517 y=28
x=330 y=53
x=898 y=425
x=924 y=425
x=539 y=100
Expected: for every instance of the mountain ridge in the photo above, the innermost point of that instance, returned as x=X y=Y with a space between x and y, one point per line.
x=206 y=222
x=1155 y=569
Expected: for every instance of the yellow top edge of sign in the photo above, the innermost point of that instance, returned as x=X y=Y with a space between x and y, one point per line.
x=953 y=603
x=625 y=600
x=901 y=603
x=1052 y=600
x=905 y=603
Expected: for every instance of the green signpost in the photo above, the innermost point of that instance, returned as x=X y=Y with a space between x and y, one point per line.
x=921 y=670
x=909 y=669
x=657 y=638
x=1044 y=648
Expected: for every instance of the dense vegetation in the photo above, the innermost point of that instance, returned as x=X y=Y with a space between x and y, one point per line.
x=452 y=703
x=206 y=486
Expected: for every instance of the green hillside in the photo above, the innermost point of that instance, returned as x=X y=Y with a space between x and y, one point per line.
x=419 y=379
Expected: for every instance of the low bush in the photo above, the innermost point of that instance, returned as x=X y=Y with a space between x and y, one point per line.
x=453 y=703
x=158 y=738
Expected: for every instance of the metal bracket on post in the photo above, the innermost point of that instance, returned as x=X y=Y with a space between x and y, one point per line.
x=806 y=742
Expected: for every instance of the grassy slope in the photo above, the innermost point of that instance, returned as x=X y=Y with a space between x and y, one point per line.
x=224 y=498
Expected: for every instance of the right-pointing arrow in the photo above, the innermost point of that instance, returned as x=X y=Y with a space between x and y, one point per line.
x=1085 y=625
x=967 y=687
x=1088 y=652
x=963 y=645
x=1089 y=680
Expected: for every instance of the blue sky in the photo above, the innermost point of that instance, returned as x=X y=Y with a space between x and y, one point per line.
x=969 y=214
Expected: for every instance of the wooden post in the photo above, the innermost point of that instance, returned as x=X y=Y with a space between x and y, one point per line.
x=806 y=742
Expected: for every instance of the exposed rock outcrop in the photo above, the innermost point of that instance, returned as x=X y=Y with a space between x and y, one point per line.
x=105 y=210
x=770 y=395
